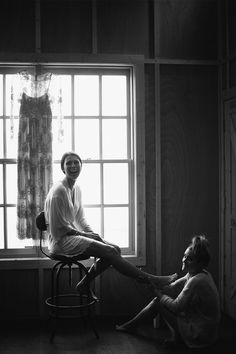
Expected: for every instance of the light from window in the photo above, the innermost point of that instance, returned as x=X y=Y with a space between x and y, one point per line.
x=1 y=228
x=86 y=95
x=96 y=121
x=87 y=143
x=114 y=95
x=116 y=225
x=1 y=185
x=99 y=132
x=1 y=94
x=114 y=138
x=116 y=183
x=90 y=182
x=11 y=183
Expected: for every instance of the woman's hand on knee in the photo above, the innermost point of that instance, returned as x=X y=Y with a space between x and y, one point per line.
x=92 y=235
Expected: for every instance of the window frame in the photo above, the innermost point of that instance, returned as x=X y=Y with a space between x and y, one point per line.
x=136 y=68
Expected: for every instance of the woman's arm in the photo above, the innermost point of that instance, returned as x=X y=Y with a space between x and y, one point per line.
x=179 y=303
x=174 y=288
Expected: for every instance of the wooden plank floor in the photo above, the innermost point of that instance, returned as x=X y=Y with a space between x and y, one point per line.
x=30 y=338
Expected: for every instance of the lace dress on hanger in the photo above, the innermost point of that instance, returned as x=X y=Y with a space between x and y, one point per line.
x=34 y=152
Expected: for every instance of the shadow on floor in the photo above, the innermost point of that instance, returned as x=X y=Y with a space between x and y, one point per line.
x=34 y=338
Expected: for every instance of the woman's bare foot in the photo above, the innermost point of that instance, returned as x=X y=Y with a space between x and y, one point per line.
x=124 y=328
x=162 y=280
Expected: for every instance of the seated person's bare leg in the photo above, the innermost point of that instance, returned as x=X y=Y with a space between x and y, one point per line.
x=112 y=256
x=170 y=319
x=101 y=265
x=148 y=312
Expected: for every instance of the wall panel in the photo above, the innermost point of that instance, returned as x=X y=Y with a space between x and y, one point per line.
x=17 y=27
x=222 y=29
x=232 y=26
x=121 y=296
x=66 y=26
x=232 y=75
x=150 y=160
x=19 y=294
x=123 y=27
x=187 y=29
x=190 y=175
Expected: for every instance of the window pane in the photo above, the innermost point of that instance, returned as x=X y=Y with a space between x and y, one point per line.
x=89 y=180
x=114 y=138
x=86 y=95
x=95 y=125
x=57 y=174
x=116 y=183
x=13 y=241
x=1 y=229
x=63 y=83
x=116 y=226
x=87 y=138
x=114 y=100
x=93 y=217
x=11 y=183
x=12 y=142
x=1 y=184
x=1 y=138
x=13 y=80
x=1 y=95
x=59 y=147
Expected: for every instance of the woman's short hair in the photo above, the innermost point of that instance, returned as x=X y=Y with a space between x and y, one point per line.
x=200 y=249
x=65 y=155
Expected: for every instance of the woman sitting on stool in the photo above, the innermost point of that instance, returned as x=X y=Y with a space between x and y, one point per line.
x=70 y=234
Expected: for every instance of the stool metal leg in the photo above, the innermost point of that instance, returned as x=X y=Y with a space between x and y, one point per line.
x=60 y=303
x=70 y=275
x=53 y=297
x=89 y=297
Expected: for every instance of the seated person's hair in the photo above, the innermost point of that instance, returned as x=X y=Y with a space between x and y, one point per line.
x=200 y=248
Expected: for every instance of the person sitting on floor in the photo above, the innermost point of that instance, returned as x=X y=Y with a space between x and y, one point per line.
x=190 y=305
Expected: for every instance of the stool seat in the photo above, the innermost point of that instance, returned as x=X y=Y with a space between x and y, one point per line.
x=67 y=258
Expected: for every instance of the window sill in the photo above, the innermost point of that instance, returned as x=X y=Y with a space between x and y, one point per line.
x=43 y=262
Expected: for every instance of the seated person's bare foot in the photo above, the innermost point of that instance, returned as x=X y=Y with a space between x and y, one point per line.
x=124 y=328
x=161 y=281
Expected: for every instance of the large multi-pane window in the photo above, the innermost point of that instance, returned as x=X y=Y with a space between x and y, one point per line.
x=94 y=117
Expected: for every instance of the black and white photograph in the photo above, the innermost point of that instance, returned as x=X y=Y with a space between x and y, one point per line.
x=117 y=176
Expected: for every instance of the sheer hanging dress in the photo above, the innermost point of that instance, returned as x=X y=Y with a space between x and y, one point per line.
x=34 y=152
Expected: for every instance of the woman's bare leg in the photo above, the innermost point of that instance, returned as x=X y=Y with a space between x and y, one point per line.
x=99 y=267
x=148 y=312
x=171 y=321
x=111 y=255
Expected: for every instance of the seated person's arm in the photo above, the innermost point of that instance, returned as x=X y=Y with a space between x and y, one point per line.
x=179 y=303
x=174 y=288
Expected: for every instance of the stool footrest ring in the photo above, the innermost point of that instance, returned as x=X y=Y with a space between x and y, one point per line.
x=55 y=301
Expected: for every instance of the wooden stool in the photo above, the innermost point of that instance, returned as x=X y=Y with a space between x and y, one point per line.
x=67 y=305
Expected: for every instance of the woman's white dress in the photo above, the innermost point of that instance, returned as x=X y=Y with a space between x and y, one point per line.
x=64 y=215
